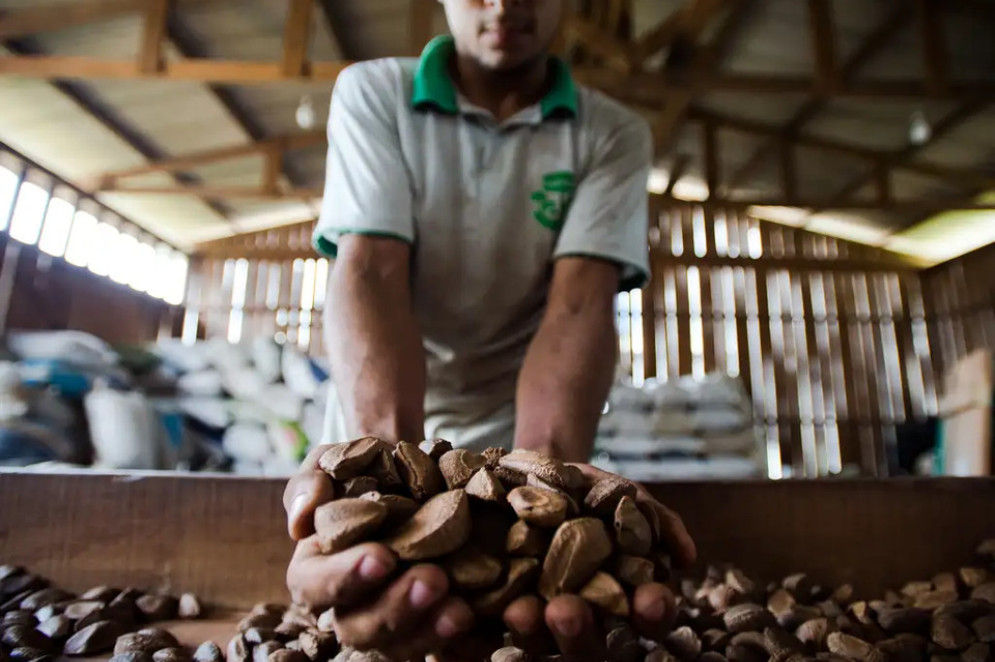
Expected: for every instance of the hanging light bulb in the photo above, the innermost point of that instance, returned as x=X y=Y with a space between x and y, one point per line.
x=919 y=129
x=305 y=113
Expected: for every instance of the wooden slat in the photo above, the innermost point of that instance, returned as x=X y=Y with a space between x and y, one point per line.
x=649 y=317
x=769 y=295
x=684 y=358
x=811 y=398
x=913 y=394
x=829 y=382
x=750 y=351
x=872 y=434
x=757 y=289
x=801 y=461
x=673 y=331
x=848 y=370
x=708 y=326
x=888 y=304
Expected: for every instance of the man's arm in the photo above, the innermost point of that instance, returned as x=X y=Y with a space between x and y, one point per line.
x=374 y=345
x=570 y=364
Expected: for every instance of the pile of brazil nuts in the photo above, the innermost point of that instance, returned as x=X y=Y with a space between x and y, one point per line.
x=502 y=525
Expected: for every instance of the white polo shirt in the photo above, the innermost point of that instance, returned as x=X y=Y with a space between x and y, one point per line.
x=487 y=208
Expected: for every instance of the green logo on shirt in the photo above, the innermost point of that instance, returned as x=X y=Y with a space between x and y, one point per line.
x=551 y=203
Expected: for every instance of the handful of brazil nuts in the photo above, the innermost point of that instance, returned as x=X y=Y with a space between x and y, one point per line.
x=502 y=525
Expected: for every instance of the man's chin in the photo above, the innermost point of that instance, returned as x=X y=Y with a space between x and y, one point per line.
x=506 y=61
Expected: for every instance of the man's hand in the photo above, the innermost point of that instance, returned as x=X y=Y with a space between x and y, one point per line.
x=405 y=617
x=411 y=615
x=569 y=620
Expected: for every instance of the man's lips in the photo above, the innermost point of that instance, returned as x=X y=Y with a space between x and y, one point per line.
x=504 y=34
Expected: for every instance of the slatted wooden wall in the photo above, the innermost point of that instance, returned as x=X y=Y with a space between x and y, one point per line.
x=266 y=284
x=828 y=336
x=960 y=300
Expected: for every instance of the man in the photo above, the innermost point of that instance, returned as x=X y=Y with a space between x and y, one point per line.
x=483 y=211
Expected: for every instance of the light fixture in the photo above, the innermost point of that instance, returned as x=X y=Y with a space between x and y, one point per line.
x=305 y=113
x=919 y=129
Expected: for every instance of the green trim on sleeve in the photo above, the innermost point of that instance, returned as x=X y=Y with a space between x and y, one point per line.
x=433 y=87
x=632 y=275
x=330 y=249
x=636 y=281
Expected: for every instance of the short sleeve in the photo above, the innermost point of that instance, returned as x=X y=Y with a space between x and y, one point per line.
x=367 y=189
x=609 y=215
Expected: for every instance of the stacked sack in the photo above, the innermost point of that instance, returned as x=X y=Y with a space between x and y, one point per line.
x=69 y=399
x=264 y=402
x=686 y=428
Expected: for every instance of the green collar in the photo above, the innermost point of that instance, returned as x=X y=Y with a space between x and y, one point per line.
x=433 y=86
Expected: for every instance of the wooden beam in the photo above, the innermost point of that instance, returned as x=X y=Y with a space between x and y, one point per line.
x=878 y=38
x=613 y=52
x=297 y=37
x=704 y=62
x=236 y=192
x=188 y=161
x=676 y=172
x=150 y=60
x=962 y=176
x=643 y=88
x=930 y=204
x=656 y=88
x=789 y=178
x=710 y=149
x=272 y=167
x=687 y=22
x=892 y=263
x=16 y=23
x=882 y=182
x=617 y=10
x=822 y=35
x=902 y=158
x=50 y=17
x=91 y=104
x=190 y=45
x=932 y=34
x=194 y=70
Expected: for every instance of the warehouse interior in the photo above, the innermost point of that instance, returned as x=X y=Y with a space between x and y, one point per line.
x=822 y=214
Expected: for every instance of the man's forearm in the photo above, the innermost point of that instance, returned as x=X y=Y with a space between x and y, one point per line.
x=376 y=355
x=564 y=381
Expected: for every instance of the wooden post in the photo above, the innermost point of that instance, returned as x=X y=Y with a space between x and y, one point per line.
x=296 y=37
x=934 y=43
x=711 y=151
x=820 y=13
x=153 y=35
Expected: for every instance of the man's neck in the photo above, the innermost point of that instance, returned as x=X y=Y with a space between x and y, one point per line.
x=503 y=93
